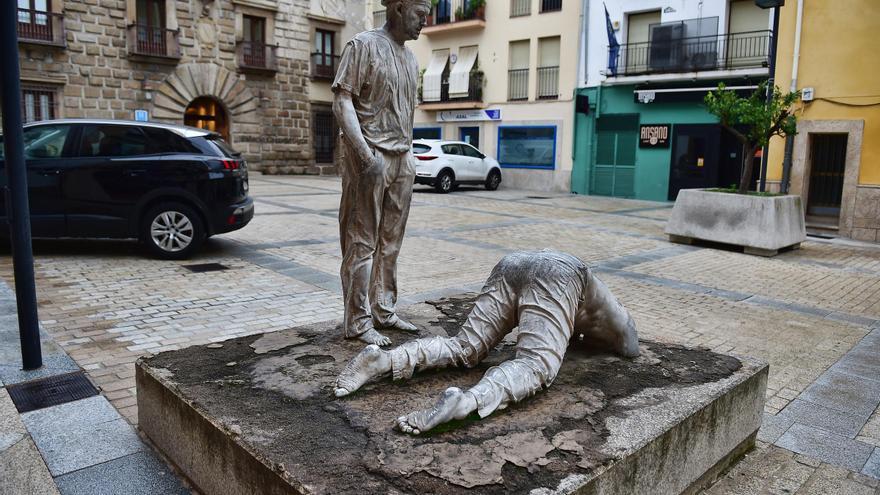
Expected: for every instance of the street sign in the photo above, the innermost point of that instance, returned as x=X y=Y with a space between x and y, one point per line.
x=141 y=116
x=469 y=115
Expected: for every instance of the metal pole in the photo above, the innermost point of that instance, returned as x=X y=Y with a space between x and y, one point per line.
x=771 y=86
x=17 y=190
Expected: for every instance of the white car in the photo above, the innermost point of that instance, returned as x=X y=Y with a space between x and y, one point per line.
x=446 y=164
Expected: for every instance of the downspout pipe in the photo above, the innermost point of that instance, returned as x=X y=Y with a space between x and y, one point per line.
x=771 y=85
x=789 y=140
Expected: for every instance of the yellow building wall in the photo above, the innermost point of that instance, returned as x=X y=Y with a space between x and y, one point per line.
x=839 y=60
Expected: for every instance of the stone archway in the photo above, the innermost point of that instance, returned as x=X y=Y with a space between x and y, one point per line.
x=206 y=112
x=191 y=81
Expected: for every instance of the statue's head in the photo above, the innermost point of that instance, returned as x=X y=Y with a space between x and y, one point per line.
x=407 y=17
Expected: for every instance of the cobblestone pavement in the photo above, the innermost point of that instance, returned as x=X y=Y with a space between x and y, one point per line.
x=811 y=313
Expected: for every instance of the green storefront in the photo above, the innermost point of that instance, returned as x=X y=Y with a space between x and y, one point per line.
x=610 y=159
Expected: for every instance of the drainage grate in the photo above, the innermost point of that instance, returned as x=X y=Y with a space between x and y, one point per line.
x=51 y=391
x=206 y=267
x=538 y=197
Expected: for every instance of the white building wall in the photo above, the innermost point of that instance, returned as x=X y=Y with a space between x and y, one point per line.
x=592 y=67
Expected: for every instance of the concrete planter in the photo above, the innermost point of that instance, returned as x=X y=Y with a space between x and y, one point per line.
x=763 y=225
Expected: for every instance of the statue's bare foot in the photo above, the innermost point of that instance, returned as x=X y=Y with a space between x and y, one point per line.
x=371 y=336
x=369 y=364
x=453 y=404
x=397 y=323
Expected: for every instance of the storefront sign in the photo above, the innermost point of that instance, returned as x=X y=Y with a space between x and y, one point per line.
x=469 y=115
x=654 y=136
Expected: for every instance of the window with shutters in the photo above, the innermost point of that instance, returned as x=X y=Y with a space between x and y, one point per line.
x=617 y=142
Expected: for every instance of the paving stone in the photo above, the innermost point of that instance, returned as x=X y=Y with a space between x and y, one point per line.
x=827 y=447
x=141 y=474
x=844 y=392
x=22 y=471
x=862 y=362
x=12 y=430
x=831 y=480
x=53 y=364
x=79 y=434
x=831 y=420
x=773 y=426
x=872 y=467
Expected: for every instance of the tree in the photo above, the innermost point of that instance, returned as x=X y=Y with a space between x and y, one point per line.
x=753 y=120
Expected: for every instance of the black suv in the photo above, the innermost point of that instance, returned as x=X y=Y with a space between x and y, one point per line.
x=169 y=186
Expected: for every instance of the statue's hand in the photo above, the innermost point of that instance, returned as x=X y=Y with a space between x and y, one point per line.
x=375 y=165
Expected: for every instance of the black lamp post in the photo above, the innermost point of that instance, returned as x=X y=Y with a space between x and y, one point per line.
x=771 y=81
x=18 y=212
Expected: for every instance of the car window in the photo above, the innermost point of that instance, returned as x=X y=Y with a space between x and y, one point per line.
x=165 y=141
x=421 y=148
x=45 y=141
x=223 y=145
x=2 y=149
x=451 y=149
x=471 y=151
x=112 y=141
x=214 y=145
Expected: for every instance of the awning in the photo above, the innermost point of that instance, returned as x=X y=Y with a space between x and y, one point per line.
x=460 y=75
x=433 y=77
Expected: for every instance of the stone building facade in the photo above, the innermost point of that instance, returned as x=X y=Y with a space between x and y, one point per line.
x=239 y=67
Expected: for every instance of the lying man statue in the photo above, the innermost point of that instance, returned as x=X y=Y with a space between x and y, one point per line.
x=552 y=297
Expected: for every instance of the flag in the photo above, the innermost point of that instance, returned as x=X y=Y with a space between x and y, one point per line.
x=613 y=45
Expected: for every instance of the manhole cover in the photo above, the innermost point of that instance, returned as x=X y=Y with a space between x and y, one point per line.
x=206 y=267
x=51 y=391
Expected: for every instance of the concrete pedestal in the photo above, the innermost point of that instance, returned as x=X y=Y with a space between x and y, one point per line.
x=257 y=416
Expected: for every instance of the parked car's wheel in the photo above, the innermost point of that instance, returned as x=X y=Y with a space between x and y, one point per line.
x=493 y=180
x=445 y=182
x=172 y=231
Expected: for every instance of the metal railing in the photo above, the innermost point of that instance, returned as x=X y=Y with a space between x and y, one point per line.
x=449 y=11
x=518 y=84
x=520 y=7
x=379 y=18
x=153 y=41
x=475 y=90
x=548 y=83
x=37 y=26
x=324 y=65
x=692 y=54
x=551 y=5
x=255 y=55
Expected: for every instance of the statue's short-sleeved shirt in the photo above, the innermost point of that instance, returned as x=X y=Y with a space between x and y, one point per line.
x=382 y=78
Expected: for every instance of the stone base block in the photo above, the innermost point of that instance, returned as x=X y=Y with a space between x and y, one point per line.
x=256 y=415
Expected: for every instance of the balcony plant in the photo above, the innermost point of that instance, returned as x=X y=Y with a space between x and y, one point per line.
x=762 y=224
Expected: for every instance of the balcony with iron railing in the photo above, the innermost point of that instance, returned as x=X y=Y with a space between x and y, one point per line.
x=40 y=28
x=324 y=66
x=520 y=8
x=518 y=84
x=734 y=51
x=379 y=18
x=256 y=57
x=551 y=6
x=454 y=15
x=548 y=83
x=473 y=98
x=153 y=44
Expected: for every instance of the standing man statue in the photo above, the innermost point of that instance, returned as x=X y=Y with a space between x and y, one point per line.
x=375 y=91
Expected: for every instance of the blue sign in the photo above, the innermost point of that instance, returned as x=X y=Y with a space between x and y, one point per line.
x=469 y=115
x=141 y=116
